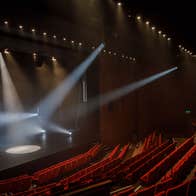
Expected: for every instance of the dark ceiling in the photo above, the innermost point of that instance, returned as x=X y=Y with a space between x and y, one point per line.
x=174 y=17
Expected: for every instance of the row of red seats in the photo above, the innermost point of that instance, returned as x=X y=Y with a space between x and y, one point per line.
x=20 y=183
x=152 y=141
x=86 y=175
x=59 y=170
x=113 y=153
x=115 y=162
x=185 y=162
x=187 y=188
x=143 y=159
x=123 y=151
x=121 y=170
x=64 y=184
x=163 y=166
x=97 y=173
x=115 y=170
x=42 y=190
x=143 y=168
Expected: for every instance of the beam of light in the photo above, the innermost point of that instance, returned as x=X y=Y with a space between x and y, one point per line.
x=6 y=118
x=10 y=96
x=56 y=97
x=96 y=102
x=134 y=86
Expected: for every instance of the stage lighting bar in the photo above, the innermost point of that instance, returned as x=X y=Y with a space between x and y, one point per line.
x=138 y=17
x=64 y=39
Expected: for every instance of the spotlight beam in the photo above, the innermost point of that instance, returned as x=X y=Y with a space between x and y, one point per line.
x=134 y=86
x=56 y=97
x=6 y=118
x=96 y=102
x=10 y=97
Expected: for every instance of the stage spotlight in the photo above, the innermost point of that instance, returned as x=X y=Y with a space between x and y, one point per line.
x=55 y=127
x=54 y=36
x=164 y=35
x=26 y=149
x=168 y=38
x=147 y=22
x=6 y=51
x=139 y=18
x=33 y=30
x=180 y=46
x=20 y=27
x=72 y=42
x=44 y=33
x=53 y=58
x=159 y=32
x=129 y=16
x=119 y=3
x=34 y=54
x=153 y=28
x=64 y=39
x=6 y=22
x=40 y=130
x=80 y=44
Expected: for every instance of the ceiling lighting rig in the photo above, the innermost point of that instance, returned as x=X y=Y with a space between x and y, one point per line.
x=45 y=36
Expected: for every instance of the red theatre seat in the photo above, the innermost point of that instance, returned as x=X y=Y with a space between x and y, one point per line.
x=192 y=187
x=17 y=184
x=180 y=190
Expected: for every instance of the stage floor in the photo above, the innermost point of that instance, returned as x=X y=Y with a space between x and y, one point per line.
x=50 y=143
